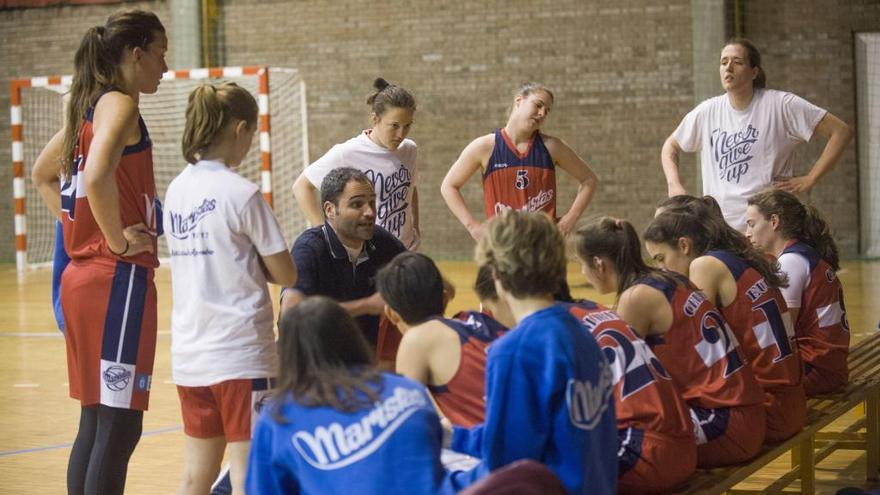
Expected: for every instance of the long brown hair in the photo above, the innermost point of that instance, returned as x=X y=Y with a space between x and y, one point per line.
x=209 y=110
x=708 y=231
x=324 y=359
x=618 y=241
x=798 y=221
x=96 y=67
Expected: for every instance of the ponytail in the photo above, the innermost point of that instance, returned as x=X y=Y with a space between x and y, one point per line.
x=96 y=68
x=617 y=241
x=209 y=110
x=798 y=221
x=93 y=70
x=389 y=95
x=817 y=234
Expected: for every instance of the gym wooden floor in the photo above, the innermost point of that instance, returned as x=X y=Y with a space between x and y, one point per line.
x=38 y=420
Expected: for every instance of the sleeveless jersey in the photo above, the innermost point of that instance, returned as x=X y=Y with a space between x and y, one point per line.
x=136 y=186
x=645 y=396
x=761 y=322
x=461 y=399
x=701 y=353
x=821 y=329
x=519 y=181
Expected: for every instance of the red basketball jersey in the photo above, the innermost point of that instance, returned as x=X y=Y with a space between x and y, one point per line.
x=700 y=351
x=461 y=399
x=821 y=329
x=761 y=322
x=519 y=181
x=645 y=396
x=137 y=198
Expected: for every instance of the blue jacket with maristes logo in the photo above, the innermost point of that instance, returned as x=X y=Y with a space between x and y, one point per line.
x=549 y=397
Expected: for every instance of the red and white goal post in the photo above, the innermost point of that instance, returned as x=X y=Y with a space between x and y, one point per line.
x=274 y=162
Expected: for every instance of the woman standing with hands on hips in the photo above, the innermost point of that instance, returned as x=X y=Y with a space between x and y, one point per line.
x=108 y=209
x=518 y=165
x=747 y=136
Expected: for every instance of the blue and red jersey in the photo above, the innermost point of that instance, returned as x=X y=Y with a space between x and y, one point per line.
x=519 y=181
x=644 y=392
x=462 y=398
x=761 y=322
x=821 y=329
x=700 y=351
x=136 y=188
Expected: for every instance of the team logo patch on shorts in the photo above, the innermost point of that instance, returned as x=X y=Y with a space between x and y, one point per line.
x=116 y=378
x=142 y=382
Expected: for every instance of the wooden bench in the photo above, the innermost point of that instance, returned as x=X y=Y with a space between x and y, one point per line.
x=812 y=445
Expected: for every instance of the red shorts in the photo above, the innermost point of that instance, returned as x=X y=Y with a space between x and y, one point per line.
x=786 y=409
x=735 y=434
x=110 y=312
x=227 y=409
x=652 y=463
x=819 y=381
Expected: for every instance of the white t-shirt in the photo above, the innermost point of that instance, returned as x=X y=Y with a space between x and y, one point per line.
x=798 y=270
x=218 y=226
x=742 y=152
x=394 y=175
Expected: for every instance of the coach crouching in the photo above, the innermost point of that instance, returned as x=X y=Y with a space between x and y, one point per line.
x=340 y=258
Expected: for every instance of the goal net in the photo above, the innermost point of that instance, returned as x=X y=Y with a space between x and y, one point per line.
x=274 y=161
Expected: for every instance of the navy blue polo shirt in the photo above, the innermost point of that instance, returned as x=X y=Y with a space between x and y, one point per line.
x=323 y=268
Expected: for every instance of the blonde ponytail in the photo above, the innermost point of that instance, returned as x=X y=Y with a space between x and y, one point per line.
x=209 y=110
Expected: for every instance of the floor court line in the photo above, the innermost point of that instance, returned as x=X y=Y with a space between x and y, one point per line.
x=69 y=445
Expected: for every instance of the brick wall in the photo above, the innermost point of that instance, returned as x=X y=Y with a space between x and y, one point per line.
x=621 y=71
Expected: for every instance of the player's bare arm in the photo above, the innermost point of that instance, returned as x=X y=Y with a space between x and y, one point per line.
x=306 y=196
x=645 y=309
x=279 y=268
x=669 y=159
x=115 y=125
x=46 y=173
x=565 y=158
x=839 y=135
x=473 y=158
x=713 y=278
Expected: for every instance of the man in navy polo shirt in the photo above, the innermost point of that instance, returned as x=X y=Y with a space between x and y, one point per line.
x=340 y=258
